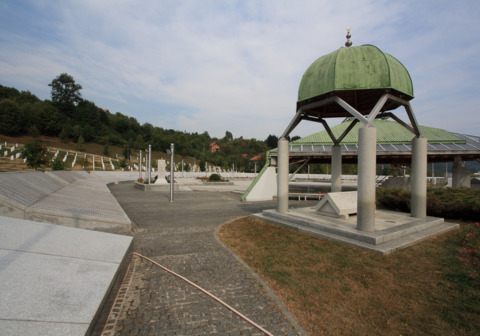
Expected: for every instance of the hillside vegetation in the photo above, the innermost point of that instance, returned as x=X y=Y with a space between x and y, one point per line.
x=78 y=123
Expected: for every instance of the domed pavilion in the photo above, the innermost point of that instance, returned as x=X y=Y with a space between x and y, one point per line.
x=361 y=83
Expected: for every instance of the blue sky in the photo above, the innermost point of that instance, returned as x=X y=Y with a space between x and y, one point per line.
x=235 y=66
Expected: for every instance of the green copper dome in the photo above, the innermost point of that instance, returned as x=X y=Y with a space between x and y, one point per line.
x=355 y=73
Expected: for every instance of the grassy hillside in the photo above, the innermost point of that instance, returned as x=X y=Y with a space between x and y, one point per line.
x=115 y=153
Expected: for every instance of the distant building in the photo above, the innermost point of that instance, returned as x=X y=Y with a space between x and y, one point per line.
x=213 y=147
x=257 y=157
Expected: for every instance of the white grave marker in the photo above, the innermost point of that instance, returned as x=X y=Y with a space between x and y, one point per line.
x=161 y=172
x=338 y=204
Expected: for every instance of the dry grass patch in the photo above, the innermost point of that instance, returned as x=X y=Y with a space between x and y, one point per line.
x=333 y=289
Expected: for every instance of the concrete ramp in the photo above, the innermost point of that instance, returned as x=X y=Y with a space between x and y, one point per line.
x=54 y=280
x=76 y=199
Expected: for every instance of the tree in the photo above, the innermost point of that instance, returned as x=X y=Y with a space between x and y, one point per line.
x=47 y=119
x=34 y=153
x=65 y=93
x=88 y=133
x=106 y=149
x=33 y=131
x=93 y=120
x=271 y=141
x=139 y=143
x=8 y=92
x=12 y=120
x=26 y=97
x=148 y=130
x=65 y=133
x=57 y=164
x=80 y=143
x=201 y=165
x=295 y=137
x=77 y=133
x=228 y=136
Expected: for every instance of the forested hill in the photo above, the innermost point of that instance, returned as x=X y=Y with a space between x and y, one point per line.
x=71 y=118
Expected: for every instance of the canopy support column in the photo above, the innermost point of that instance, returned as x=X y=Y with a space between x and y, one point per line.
x=419 y=178
x=367 y=160
x=336 y=169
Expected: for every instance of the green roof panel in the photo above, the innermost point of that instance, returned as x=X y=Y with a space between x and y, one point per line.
x=354 y=68
x=388 y=132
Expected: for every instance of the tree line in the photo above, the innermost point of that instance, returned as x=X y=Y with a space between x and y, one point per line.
x=72 y=118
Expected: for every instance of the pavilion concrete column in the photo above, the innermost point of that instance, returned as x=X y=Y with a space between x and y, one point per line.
x=282 y=176
x=419 y=178
x=461 y=176
x=336 y=169
x=367 y=161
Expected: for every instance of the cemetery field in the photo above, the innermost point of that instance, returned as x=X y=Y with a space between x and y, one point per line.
x=432 y=288
x=53 y=143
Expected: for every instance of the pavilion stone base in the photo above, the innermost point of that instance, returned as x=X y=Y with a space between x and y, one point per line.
x=152 y=186
x=160 y=187
x=394 y=230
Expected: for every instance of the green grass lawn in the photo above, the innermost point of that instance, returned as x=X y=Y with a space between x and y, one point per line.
x=432 y=288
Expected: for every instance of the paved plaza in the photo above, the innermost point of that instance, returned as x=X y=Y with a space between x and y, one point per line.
x=52 y=277
x=180 y=235
x=55 y=279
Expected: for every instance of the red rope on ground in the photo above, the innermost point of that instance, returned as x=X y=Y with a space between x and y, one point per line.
x=207 y=293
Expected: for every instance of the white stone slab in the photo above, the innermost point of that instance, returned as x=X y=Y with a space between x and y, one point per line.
x=35 y=237
x=35 y=328
x=40 y=287
x=54 y=278
x=338 y=204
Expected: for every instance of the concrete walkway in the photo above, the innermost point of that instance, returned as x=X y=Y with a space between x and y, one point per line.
x=181 y=236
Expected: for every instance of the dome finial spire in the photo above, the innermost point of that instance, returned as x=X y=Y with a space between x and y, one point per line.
x=348 y=43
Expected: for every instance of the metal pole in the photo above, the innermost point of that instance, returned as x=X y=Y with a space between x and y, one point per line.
x=140 y=164
x=282 y=176
x=149 y=163
x=172 y=179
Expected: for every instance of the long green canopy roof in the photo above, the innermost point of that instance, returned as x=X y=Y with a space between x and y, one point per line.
x=388 y=132
x=355 y=68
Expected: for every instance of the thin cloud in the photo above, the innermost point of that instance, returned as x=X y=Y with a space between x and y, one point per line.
x=216 y=66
